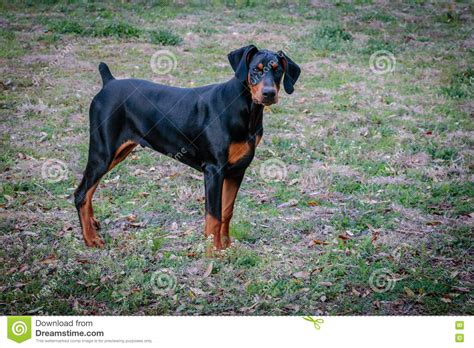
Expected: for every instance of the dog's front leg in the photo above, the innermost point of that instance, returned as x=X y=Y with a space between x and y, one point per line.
x=213 y=180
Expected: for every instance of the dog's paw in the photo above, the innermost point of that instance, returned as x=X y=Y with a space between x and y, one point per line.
x=95 y=242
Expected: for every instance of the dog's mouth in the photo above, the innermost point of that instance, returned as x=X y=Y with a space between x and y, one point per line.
x=265 y=102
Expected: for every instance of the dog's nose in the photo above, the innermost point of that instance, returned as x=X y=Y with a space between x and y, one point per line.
x=269 y=93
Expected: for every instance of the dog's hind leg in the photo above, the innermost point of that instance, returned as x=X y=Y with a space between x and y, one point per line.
x=99 y=163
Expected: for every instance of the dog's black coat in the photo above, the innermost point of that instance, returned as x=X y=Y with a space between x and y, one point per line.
x=194 y=125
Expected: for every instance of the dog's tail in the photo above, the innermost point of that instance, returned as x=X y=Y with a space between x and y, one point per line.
x=105 y=73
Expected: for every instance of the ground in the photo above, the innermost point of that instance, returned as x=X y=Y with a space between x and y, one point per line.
x=359 y=200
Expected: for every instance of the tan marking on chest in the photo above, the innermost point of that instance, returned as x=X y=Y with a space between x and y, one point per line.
x=238 y=150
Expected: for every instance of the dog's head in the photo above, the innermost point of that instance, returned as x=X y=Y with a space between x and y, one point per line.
x=263 y=72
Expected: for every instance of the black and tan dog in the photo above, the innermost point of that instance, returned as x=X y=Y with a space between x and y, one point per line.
x=214 y=129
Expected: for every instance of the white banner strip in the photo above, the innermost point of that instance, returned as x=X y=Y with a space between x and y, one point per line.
x=219 y=332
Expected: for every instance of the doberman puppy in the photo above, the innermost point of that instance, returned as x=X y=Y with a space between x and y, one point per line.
x=214 y=129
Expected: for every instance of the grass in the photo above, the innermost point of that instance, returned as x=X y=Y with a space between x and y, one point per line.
x=123 y=30
x=330 y=38
x=378 y=167
x=165 y=37
x=461 y=85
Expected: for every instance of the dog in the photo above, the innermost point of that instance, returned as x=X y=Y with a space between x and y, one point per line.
x=215 y=129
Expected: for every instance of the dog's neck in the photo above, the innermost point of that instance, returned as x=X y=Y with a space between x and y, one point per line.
x=242 y=105
x=242 y=91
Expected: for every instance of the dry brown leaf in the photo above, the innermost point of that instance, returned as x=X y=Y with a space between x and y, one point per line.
x=131 y=218
x=317 y=242
x=290 y=203
x=434 y=223
x=301 y=275
x=343 y=236
x=49 y=259
x=409 y=292
x=208 y=270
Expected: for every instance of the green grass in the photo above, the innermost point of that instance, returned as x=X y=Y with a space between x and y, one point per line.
x=461 y=85
x=121 y=30
x=165 y=37
x=378 y=166
x=330 y=38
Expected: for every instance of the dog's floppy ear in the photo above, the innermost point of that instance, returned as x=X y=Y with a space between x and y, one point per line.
x=239 y=60
x=292 y=72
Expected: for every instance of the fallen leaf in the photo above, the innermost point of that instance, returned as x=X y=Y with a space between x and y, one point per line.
x=138 y=172
x=317 y=242
x=313 y=203
x=208 y=270
x=48 y=260
x=409 y=292
x=344 y=237
x=355 y=292
x=301 y=275
x=326 y=283
x=461 y=289
x=290 y=203
x=445 y=300
x=131 y=218
x=197 y=292
x=375 y=236
x=434 y=223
